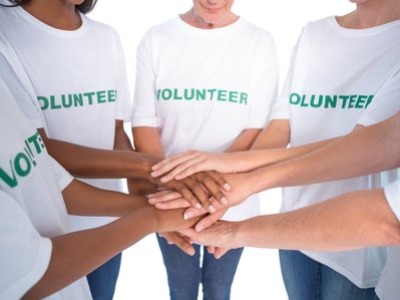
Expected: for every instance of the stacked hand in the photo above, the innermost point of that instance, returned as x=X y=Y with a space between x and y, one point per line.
x=201 y=167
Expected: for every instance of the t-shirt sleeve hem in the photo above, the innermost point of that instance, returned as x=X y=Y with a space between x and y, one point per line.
x=19 y=288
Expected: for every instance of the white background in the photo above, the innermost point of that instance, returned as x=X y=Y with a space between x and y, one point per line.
x=142 y=273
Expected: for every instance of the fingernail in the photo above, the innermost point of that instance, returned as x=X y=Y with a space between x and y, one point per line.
x=187 y=215
x=227 y=187
x=224 y=201
x=153 y=174
x=198 y=206
x=199 y=227
x=211 y=209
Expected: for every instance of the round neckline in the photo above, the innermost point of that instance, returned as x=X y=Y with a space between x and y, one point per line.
x=333 y=22
x=52 y=30
x=209 y=32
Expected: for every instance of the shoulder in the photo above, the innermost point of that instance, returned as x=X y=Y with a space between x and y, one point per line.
x=257 y=32
x=164 y=27
x=99 y=27
x=320 y=24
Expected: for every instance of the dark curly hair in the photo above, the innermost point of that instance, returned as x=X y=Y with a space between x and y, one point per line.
x=85 y=7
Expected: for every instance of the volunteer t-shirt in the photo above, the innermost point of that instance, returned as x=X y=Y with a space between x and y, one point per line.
x=79 y=81
x=33 y=181
x=340 y=78
x=202 y=88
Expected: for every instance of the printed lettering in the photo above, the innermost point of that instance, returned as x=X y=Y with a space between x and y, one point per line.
x=11 y=181
x=331 y=101
x=66 y=101
x=23 y=162
x=189 y=94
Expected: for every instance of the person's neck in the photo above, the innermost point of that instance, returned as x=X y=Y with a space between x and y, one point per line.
x=57 y=14
x=370 y=14
x=194 y=20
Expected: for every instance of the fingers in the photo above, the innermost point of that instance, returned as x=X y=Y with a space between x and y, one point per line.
x=173 y=204
x=220 y=180
x=190 y=190
x=182 y=242
x=192 y=212
x=186 y=169
x=201 y=190
x=213 y=183
x=170 y=163
x=208 y=220
x=219 y=252
x=163 y=196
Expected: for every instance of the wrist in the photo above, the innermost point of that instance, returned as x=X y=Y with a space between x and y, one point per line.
x=142 y=165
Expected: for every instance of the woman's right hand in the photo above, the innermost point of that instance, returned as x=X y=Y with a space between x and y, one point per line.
x=188 y=163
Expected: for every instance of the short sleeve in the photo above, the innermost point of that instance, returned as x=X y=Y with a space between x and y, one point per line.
x=281 y=109
x=386 y=101
x=19 y=84
x=264 y=88
x=62 y=176
x=123 y=111
x=144 y=100
x=24 y=254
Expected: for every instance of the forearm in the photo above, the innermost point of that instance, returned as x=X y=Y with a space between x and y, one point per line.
x=146 y=141
x=121 y=140
x=346 y=222
x=244 y=140
x=88 y=162
x=76 y=254
x=249 y=160
x=364 y=151
x=85 y=200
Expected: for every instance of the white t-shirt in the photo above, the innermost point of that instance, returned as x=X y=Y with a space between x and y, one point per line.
x=24 y=255
x=33 y=180
x=340 y=78
x=79 y=80
x=202 y=88
x=388 y=287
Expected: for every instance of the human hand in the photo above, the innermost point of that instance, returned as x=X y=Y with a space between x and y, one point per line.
x=181 y=241
x=188 y=163
x=241 y=189
x=140 y=187
x=196 y=190
x=166 y=199
x=217 y=252
x=220 y=237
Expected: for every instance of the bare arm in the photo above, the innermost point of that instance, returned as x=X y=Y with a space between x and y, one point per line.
x=88 y=162
x=268 y=147
x=145 y=140
x=275 y=135
x=364 y=151
x=350 y=221
x=244 y=140
x=77 y=249
x=121 y=140
x=85 y=200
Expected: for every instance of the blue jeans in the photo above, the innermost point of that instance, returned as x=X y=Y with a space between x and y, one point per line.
x=185 y=273
x=102 y=281
x=306 y=279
